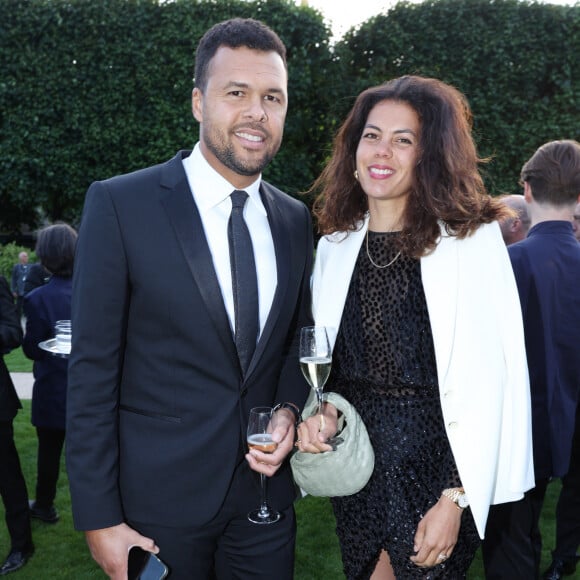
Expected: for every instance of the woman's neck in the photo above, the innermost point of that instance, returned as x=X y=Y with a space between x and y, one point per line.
x=386 y=216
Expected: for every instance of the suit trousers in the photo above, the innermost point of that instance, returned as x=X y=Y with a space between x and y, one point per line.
x=13 y=491
x=568 y=507
x=512 y=547
x=229 y=547
x=50 y=444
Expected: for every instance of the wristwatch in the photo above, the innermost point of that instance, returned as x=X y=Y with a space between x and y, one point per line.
x=457 y=495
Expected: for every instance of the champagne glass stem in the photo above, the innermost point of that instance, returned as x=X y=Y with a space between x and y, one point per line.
x=264 y=510
x=319 y=409
x=319 y=399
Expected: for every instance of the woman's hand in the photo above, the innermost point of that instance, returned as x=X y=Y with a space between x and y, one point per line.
x=314 y=432
x=437 y=533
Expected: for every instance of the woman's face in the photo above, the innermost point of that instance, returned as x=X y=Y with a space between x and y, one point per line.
x=388 y=151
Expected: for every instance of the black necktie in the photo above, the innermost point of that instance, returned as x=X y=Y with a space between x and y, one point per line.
x=244 y=281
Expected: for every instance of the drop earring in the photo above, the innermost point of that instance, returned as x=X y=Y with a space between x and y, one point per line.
x=356 y=174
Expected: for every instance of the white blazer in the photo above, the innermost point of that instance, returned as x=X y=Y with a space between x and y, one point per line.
x=477 y=329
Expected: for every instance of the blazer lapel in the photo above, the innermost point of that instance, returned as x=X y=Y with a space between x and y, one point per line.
x=332 y=274
x=439 y=271
x=186 y=221
x=440 y=275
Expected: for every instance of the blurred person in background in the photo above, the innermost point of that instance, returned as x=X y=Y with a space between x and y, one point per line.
x=515 y=228
x=43 y=306
x=19 y=274
x=547 y=270
x=12 y=483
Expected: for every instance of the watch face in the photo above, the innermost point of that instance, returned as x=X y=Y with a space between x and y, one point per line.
x=462 y=501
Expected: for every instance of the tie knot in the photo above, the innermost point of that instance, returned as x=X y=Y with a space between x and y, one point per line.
x=238 y=198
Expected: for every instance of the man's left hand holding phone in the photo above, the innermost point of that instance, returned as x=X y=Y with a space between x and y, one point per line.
x=110 y=548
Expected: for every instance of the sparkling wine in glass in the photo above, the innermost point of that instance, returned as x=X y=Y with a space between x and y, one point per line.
x=315 y=359
x=261 y=424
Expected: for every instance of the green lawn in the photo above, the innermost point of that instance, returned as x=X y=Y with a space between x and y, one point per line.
x=17 y=362
x=61 y=552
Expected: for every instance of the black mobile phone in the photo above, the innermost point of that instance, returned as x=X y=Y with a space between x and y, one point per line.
x=144 y=565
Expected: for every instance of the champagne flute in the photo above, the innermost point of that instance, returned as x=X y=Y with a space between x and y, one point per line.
x=315 y=361
x=260 y=426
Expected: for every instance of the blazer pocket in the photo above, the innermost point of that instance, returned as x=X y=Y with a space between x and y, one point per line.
x=145 y=413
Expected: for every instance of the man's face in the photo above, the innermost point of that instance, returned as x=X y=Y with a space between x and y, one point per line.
x=576 y=222
x=242 y=112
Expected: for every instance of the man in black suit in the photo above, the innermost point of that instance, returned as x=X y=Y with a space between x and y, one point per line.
x=546 y=266
x=159 y=395
x=12 y=484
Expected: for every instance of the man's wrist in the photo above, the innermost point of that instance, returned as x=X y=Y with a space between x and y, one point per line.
x=292 y=408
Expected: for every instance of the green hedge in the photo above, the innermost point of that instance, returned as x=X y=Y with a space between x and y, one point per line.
x=92 y=88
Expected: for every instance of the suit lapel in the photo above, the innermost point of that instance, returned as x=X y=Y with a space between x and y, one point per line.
x=186 y=221
x=281 y=237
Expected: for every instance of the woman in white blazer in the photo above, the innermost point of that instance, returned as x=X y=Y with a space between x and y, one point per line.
x=413 y=272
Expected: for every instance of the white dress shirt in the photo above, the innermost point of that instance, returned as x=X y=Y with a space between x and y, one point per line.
x=211 y=193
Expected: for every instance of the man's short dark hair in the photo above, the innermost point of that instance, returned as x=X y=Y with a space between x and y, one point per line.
x=234 y=33
x=553 y=172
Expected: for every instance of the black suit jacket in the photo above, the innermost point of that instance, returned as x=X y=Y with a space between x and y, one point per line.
x=547 y=270
x=157 y=406
x=10 y=338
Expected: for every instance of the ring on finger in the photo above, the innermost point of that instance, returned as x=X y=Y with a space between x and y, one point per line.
x=442 y=557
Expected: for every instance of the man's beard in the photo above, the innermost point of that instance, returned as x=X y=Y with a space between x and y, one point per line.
x=225 y=153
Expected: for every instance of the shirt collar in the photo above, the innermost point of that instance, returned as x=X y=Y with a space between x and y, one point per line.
x=209 y=187
x=552 y=227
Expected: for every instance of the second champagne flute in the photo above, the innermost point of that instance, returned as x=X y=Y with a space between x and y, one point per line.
x=260 y=428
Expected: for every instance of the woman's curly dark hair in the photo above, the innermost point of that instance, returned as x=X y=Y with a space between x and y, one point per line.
x=447 y=184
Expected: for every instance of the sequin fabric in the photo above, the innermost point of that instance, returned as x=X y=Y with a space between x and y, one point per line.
x=384 y=363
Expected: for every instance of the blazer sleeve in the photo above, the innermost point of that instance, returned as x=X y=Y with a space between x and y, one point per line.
x=38 y=328
x=99 y=303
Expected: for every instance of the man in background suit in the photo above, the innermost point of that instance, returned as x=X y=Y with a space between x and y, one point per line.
x=12 y=483
x=159 y=397
x=515 y=229
x=565 y=556
x=547 y=270
x=18 y=282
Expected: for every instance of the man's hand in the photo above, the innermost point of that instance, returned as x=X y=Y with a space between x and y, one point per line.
x=283 y=434
x=110 y=548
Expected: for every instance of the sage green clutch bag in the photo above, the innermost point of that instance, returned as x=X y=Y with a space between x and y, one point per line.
x=344 y=471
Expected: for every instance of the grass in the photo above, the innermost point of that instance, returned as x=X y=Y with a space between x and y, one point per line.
x=17 y=362
x=61 y=552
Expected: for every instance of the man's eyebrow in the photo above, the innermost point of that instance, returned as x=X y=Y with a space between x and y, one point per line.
x=242 y=85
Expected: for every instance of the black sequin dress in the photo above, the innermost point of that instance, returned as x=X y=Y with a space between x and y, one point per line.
x=384 y=364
